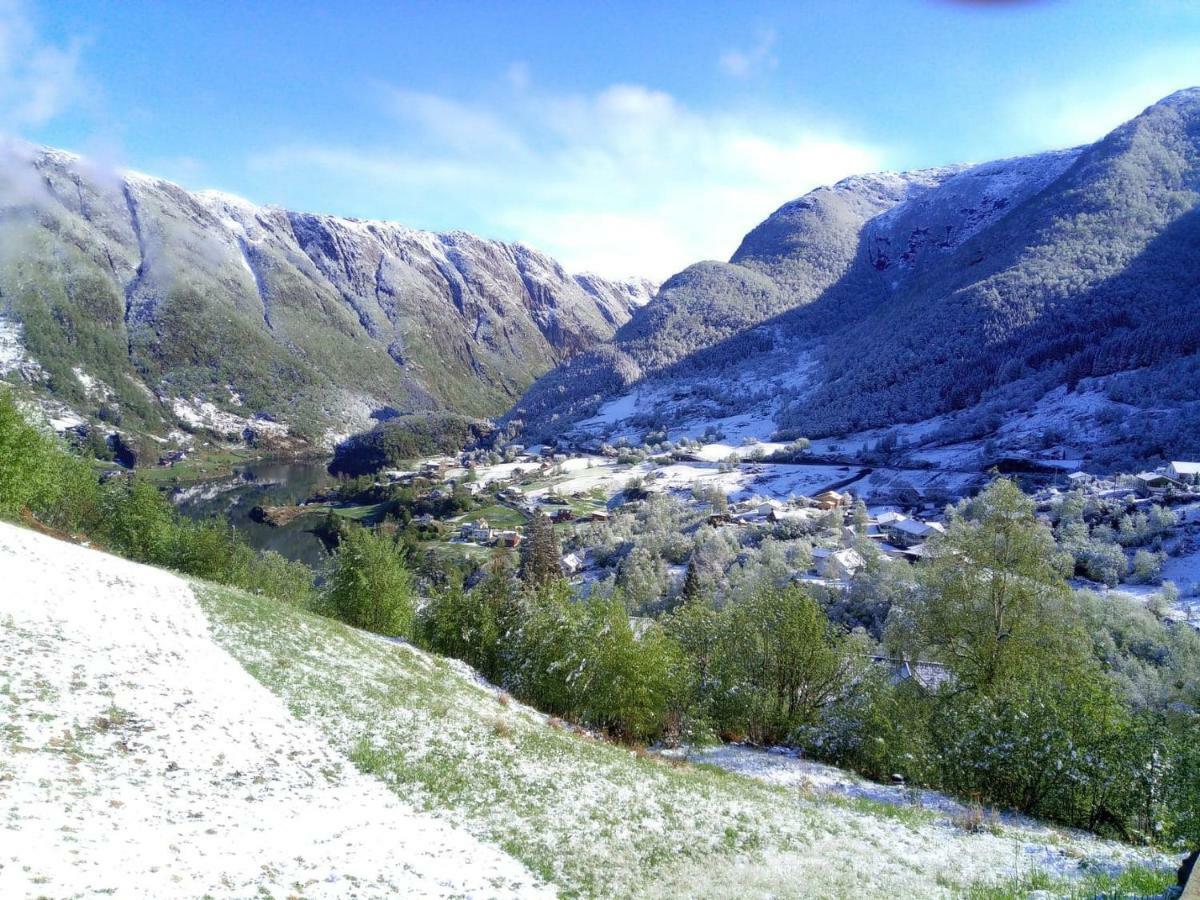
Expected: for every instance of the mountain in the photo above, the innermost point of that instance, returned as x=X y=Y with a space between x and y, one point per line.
x=1046 y=304
x=127 y=298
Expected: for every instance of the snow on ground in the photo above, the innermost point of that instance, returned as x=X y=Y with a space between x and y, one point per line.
x=202 y=413
x=93 y=388
x=57 y=416
x=139 y=759
x=1184 y=572
x=1056 y=851
x=13 y=355
x=485 y=475
x=720 y=452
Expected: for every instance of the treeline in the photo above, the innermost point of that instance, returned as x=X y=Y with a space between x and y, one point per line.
x=1022 y=707
x=42 y=482
x=405 y=438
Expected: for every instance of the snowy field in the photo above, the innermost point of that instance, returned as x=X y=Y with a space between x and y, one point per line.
x=138 y=759
x=1049 y=849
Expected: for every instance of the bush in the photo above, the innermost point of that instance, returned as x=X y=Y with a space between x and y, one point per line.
x=780 y=661
x=370 y=586
x=30 y=467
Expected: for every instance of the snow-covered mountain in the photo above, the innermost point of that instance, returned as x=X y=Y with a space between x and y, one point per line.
x=981 y=300
x=125 y=294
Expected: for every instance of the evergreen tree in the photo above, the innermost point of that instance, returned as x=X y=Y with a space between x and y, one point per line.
x=693 y=586
x=860 y=516
x=540 y=551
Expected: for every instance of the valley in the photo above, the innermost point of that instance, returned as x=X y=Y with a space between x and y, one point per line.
x=343 y=558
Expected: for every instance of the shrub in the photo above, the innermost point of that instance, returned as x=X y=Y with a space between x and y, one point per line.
x=370 y=586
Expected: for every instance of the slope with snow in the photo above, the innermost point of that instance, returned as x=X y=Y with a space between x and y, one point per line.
x=139 y=759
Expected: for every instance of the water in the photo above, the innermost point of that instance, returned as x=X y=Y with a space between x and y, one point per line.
x=263 y=484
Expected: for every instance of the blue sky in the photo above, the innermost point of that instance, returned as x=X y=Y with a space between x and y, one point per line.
x=625 y=138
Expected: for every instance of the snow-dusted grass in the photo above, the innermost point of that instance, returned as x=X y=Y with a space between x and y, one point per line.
x=138 y=759
x=1055 y=853
x=600 y=820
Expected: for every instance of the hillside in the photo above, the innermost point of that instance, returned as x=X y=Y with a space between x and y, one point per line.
x=962 y=297
x=173 y=767
x=125 y=298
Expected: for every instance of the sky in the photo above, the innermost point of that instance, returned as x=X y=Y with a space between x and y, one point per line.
x=622 y=138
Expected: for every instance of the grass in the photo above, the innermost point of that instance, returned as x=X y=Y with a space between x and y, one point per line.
x=366 y=513
x=592 y=818
x=201 y=464
x=1132 y=882
x=497 y=515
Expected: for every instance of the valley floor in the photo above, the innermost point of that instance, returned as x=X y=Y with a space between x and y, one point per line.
x=140 y=759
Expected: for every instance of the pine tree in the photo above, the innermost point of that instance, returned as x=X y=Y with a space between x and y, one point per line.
x=693 y=587
x=540 y=551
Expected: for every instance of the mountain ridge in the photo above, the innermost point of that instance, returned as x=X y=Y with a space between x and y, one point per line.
x=962 y=291
x=316 y=322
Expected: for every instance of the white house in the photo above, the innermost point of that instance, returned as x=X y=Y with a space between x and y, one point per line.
x=1184 y=471
x=572 y=563
x=480 y=532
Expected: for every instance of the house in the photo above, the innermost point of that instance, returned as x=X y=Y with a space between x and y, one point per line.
x=766 y=507
x=929 y=676
x=170 y=457
x=905 y=532
x=563 y=515
x=508 y=539
x=1154 y=484
x=830 y=500
x=572 y=563
x=1079 y=479
x=837 y=565
x=598 y=515
x=791 y=515
x=479 y=532
x=435 y=467
x=1187 y=472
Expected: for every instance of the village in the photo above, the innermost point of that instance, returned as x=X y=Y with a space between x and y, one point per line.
x=604 y=501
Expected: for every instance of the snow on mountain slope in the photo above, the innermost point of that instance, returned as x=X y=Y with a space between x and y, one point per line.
x=316 y=321
x=139 y=759
x=965 y=293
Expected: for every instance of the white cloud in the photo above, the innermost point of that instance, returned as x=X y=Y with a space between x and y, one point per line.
x=625 y=180
x=742 y=62
x=38 y=80
x=1068 y=113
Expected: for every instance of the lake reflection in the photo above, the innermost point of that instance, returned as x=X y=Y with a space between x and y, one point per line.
x=263 y=484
